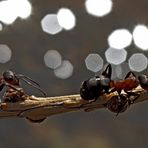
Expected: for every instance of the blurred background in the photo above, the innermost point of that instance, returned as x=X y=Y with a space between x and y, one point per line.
x=60 y=43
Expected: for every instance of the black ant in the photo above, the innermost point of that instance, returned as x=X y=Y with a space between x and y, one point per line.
x=92 y=88
x=12 y=80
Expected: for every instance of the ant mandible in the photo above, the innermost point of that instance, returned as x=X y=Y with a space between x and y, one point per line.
x=12 y=80
x=92 y=88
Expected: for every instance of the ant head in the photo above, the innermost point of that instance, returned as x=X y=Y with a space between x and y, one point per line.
x=88 y=89
x=84 y=92
x=117 y=105
x=91 y=88
x=8 y=75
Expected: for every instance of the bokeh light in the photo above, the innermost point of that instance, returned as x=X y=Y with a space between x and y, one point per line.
x=5 y=53
x=65 y=70
x=7 y=17
x=24 y=8
x=120 y=38
x=115 y=56
x=66 y=18
x=94 y=62
x=1 y=27
x=116 y=71
x=138 y=62
x=50 y=24
x=52 y=59
x=125 y=69
x=140 y=37
x=11 y=9
x=98 y=8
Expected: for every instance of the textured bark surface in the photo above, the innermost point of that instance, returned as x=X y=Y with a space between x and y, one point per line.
x=36 y=109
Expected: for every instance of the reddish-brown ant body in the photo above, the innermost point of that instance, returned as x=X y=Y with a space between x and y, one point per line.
x=92 y=88
x=130 y=82
x=12 y=81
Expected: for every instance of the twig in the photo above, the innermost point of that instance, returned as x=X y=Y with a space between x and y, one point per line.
x=36 y=109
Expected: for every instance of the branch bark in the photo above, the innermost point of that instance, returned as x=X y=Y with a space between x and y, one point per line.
x=36 y=109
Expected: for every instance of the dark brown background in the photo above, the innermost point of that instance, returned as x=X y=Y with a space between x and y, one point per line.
x=29 y=44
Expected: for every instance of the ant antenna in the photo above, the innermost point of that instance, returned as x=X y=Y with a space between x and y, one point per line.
x=31 y=83
x=27 y=78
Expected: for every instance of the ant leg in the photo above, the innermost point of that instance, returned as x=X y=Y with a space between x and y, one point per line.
x=13 y=87
x=108 y=71
x=143 y=80
x=119 y=95
x=111 y=90
x=122 y=102
x=132 y=96
x=14 y=94
x=129 y=75
x=2 y=86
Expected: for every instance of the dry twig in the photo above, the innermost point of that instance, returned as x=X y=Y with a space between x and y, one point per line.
x=37 y=109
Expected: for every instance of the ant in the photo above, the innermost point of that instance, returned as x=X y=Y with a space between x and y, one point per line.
x=12 y=80
x=92 y=88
